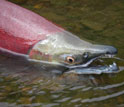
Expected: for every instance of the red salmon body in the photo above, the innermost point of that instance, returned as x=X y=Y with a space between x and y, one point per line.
x=21 y=29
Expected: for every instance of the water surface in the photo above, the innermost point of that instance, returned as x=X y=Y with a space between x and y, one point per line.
x=23 y=85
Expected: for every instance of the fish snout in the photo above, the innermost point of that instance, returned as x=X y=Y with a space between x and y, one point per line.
x=104 y=49
x=96 y=51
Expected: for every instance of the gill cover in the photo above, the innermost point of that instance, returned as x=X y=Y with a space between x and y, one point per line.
x=60 y=47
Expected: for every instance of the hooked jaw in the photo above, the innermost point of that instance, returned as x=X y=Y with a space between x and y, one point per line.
x=96 y=52
x=101 y=51
x=104 y=49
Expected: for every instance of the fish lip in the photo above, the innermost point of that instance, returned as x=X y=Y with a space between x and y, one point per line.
x=91 y=60
x=112 y=68
x=99 y=69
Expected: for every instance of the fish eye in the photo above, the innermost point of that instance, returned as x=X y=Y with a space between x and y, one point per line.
x=70 y=59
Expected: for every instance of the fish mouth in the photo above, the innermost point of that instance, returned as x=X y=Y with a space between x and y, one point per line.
x=90 y=68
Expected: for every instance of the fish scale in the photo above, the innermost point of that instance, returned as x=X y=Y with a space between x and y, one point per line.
x=29 y=35
x=21 y=29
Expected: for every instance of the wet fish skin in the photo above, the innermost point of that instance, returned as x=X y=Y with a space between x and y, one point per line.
x=26 y=33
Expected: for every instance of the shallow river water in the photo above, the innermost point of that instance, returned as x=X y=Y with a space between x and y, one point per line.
x=24 y=85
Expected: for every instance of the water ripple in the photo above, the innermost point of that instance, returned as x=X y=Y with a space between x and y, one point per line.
x=103 y=97
x=86 y=89
x=75 y=100
x=64 y=99
x=77 y=87
x=110 y=86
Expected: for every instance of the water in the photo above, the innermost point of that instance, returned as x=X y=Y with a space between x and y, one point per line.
x=23 y=85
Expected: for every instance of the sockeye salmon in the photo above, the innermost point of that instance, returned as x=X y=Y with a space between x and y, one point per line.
x=25 y=33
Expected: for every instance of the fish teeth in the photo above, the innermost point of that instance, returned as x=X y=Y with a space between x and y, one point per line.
x=110 y=56
x=107 y=56
x=110 y=66
x=113 y=65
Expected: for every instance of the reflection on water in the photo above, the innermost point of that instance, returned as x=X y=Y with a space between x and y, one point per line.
x=22 y=84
